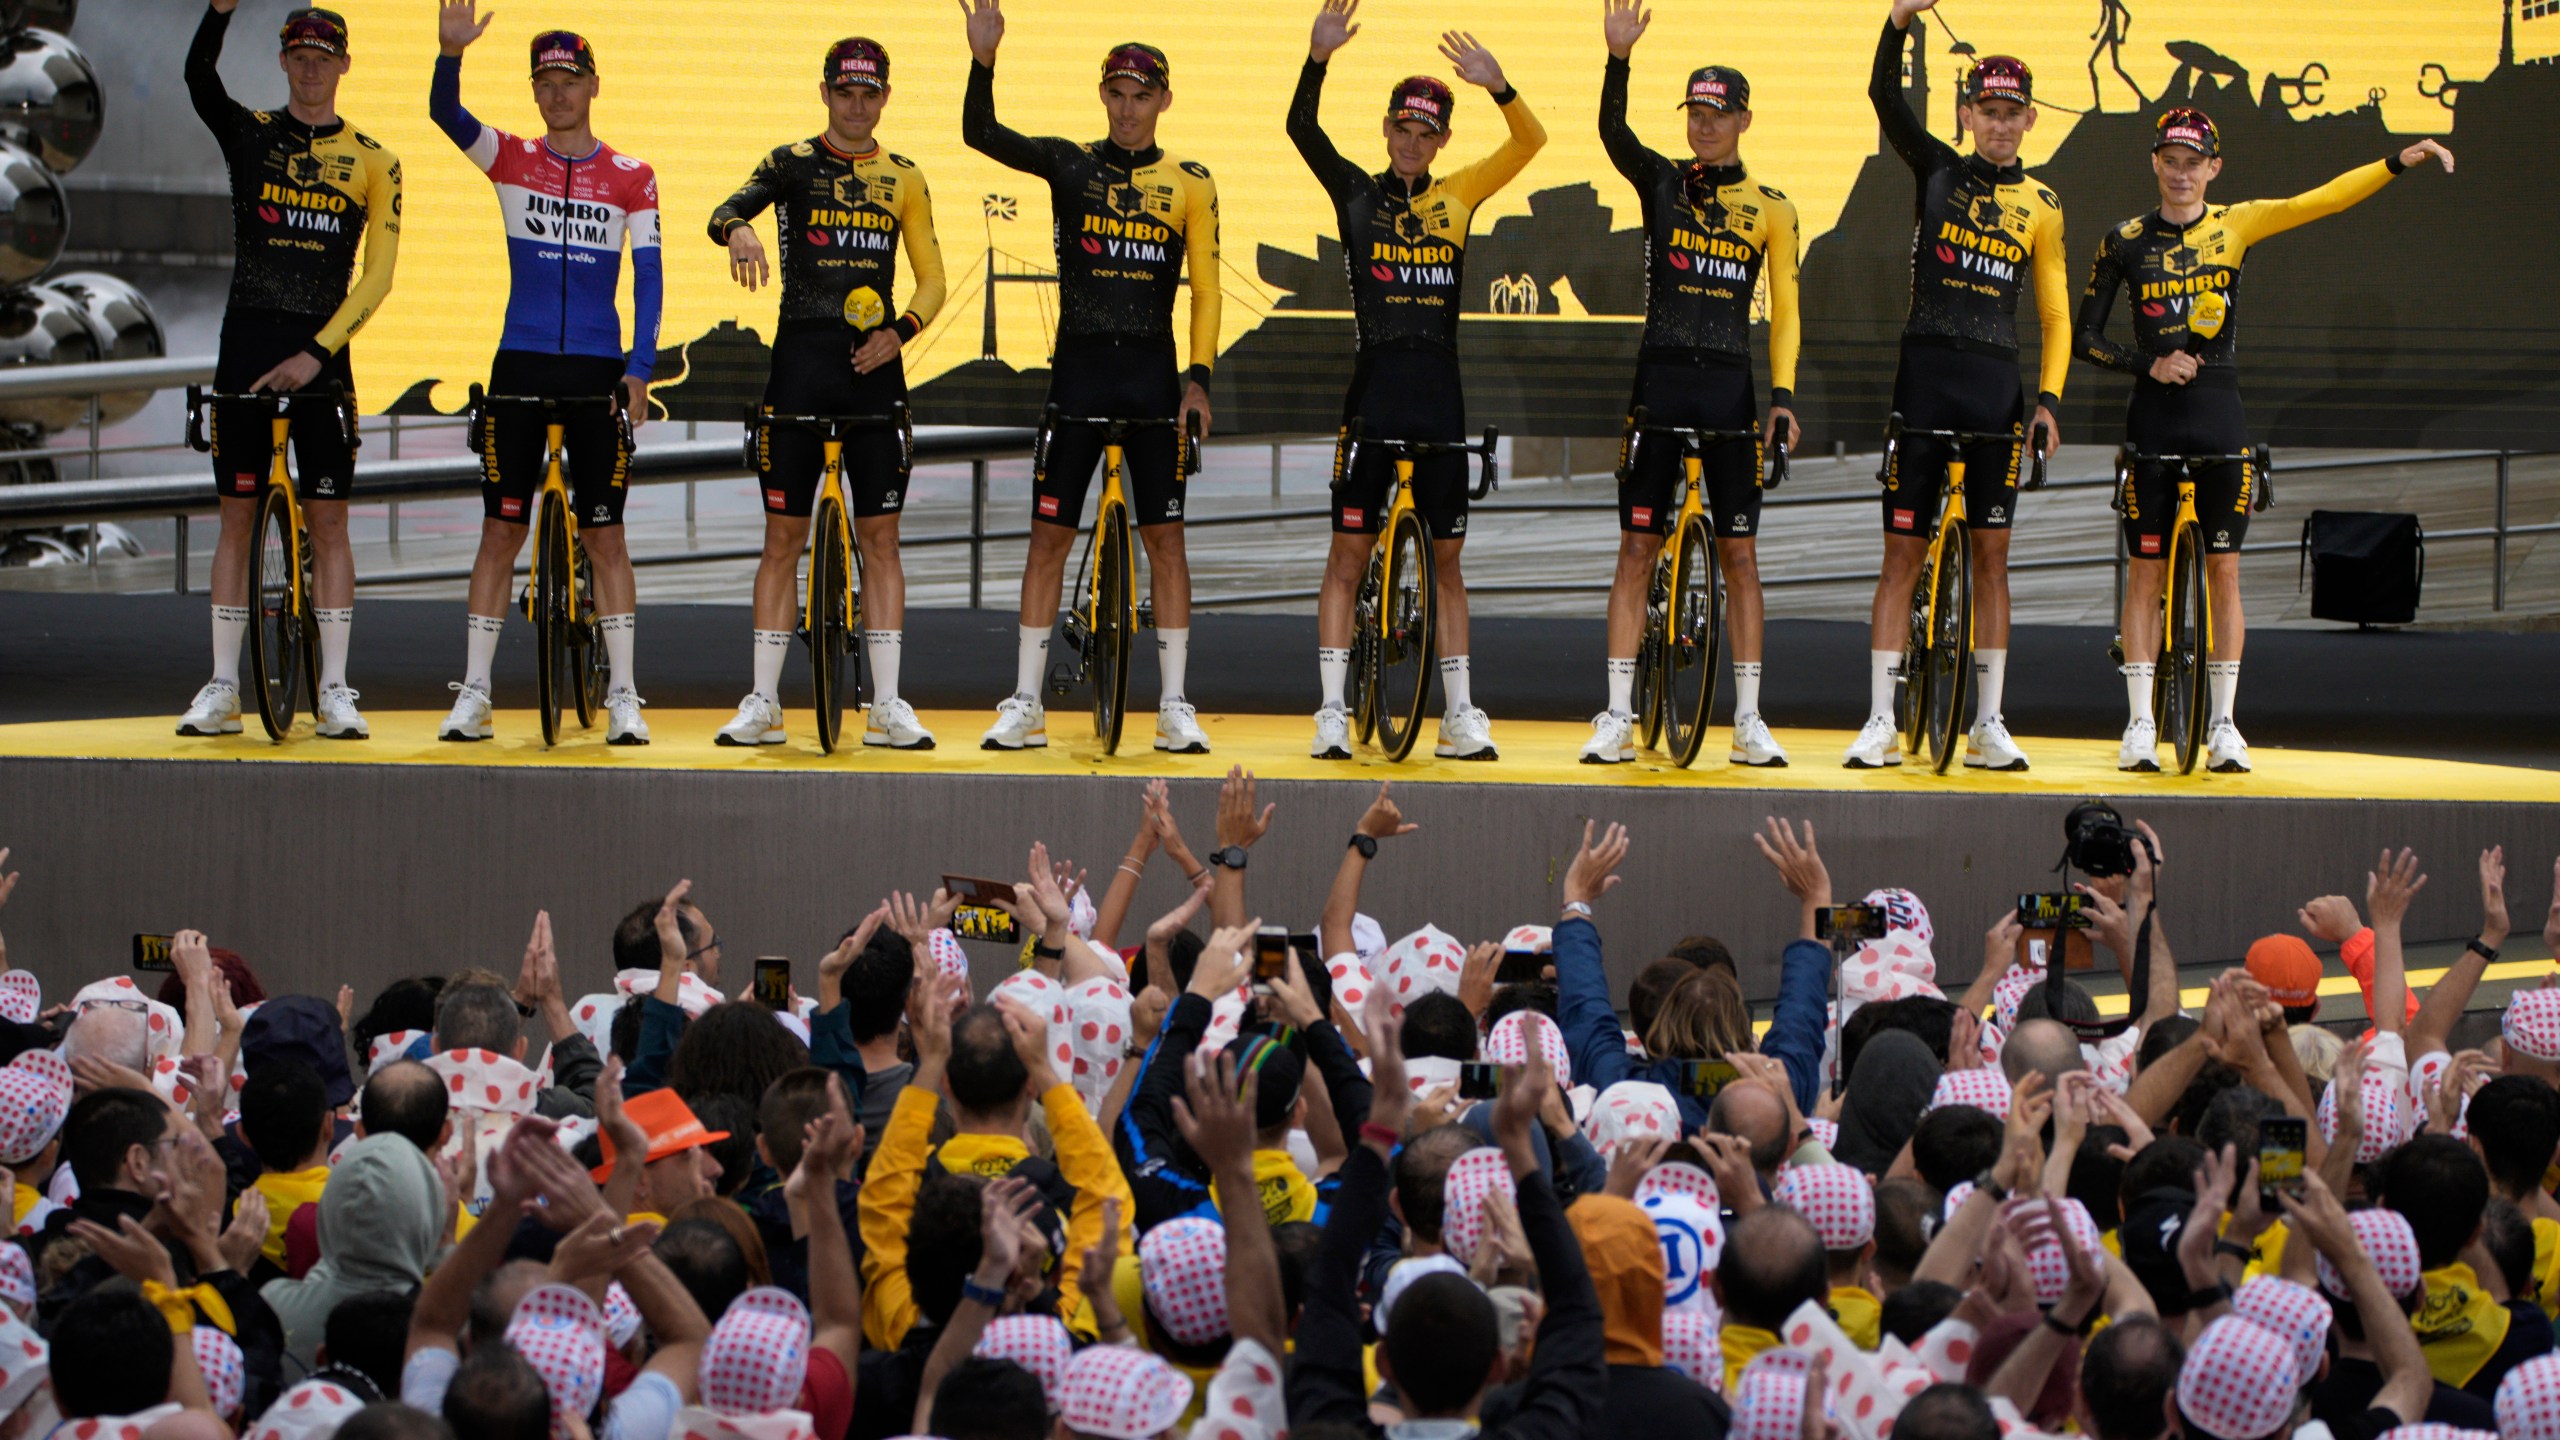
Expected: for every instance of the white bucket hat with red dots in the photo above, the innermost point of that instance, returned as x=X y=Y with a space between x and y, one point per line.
x=1425 y=961
x=560 y=1333
x=1836 y=1198
x=2294 y=1311
x=1098 y=1029
x=1983 y=1089
x=1473 y=1177
x=1507 y=1044
x=1633 y=1110
x=35 y=1095
x=2239 y=1380
x=2528 y=1402
x=313 y=1410
x=1182 y=1267
x=1037 y=1343
x=2384 y=1235
x=1122 y=1394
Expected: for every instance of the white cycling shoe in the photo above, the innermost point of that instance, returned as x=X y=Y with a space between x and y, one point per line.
x=469 y=717
x=2140 y=751
x=1754 y=745
x=1333 y=734
x=1178 y=728
x=2225 y=753
x=214 y=711
x=1613 y=739
x=336 y=716
x=1878 y=745
x=1021 y=724
x=758 y=722
x=1988 y=747
x=623 y=725
x=894 y=724
x=1466 y=734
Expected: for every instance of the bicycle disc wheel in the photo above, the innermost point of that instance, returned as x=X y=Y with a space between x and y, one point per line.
x=2178 y=686
x=553 y=677
x=1360 y=687
x=1113 y=621
x=828 y=651
x=1692 y=646
x=276 y=639
x=587 y=660
x=1649 y=653
x=1405 y=644
x=1950 y=658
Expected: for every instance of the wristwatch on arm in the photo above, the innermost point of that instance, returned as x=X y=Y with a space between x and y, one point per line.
x=1365 y=843
x=1230 y=858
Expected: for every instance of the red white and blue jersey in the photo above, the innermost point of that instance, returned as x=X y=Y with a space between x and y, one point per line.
x=566 y=220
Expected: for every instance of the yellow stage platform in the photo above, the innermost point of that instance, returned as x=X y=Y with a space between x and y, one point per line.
x=1275 y=746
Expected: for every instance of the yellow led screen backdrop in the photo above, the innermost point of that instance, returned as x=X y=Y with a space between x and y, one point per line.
x=2429 y=315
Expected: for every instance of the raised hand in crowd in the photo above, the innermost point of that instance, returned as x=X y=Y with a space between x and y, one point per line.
x=1799 y=866
x=1593 y=871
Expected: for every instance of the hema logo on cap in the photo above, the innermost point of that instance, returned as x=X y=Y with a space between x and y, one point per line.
x=857 y=65
x=1423 y=103
x=2187 y=134
x=560 y=55
x=1707 y=87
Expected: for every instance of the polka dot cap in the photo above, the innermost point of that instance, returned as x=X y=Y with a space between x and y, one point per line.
x=226 y=1371
x=161 y=1028
x=2432 y=1431
x=21 y=997
x=2425 y=1073
x=1037 y=1343
x=696 y=1423
x=1506 y=1044
x=2046 y=1264
x=1425 y=961
x=560 y=1332
x=1182 y=1266
x=1245 y=1398
x=1530 y=937
x=1351 y=981
x=17 y=1279
x=1046 y=998
x=1836 y=1198
x=593 y=1015
x=2528 y=1401
x=412 y=1045
x=1957 y=1194
x=1826 y=1133
x=312 y=1410
x=1691 y=1345
x=2295 y=1312
x=621 y=1316
x=1474 y=1176
x=758 y=1355
x=1768 y=1399
x=2239 y=1380
x=1428 y=1073
x=1226 y=1019
x=2385 y=1118
x=1633 y=1110
x=693 y=994
x=1692 y=1239
x=1098 y=1032
x=1679 y=1177
x=2385 y=1238
x=35 y=1093
x=942 y=946
x=1122 y=1394
x=1080 y=914
x=1982 y=1089
x=2012 y=988
x=2531 y=1025
x=24 y=1360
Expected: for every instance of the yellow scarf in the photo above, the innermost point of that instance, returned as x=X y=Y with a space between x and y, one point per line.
x=988 y=1155
x=1741 y=1342
x=2546 y=1264
x=25 y=1199
x=1860 y=1314
x=286 y=1192
x=178 y=1305
x=2459 y=1324
x=1287 y=1193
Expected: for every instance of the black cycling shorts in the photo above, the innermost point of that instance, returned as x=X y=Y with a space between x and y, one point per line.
x=813 y=375
x=2202 y=417
x=1406 y=393
x=1111 y=380
x=324 y=460
x=511 y=459
x=1710 y=397
x=1939 y=388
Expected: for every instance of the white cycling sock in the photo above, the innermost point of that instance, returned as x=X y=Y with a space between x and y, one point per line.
x=617 y=649
x=1880 y=667
x=2222 y=682
x=772 y=647
x=1030 y=660
x=1746 y=688
x=2137 y=688
x=1333 y=668
x=1622 y=684
x=1453 y=682
x=1173 y=657
x=482 y=649
x=884 y=648
x=230 y=627
x=1990 y=672
x=334 y=625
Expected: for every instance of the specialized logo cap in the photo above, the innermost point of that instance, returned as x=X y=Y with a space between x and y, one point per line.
x=1419 y=97
x=324 y=30
x=1143 y=63
x=857 y=61
x=1999 y=77
x=563 y=50
x=2189 y=127
x=1718 y=87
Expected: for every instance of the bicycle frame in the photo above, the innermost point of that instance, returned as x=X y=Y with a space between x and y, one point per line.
x=280 y=434
x=832 y=433
x=1400 y=503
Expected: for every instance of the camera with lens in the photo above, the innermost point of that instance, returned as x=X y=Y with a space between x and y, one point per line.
x=2097 y=842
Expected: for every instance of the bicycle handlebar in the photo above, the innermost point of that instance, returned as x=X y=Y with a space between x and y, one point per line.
x=199 y=397
x=835 y=427
x=1698 y=438
x=477 y=408
x=1116 y=429
x=2258 y=457
x=1487 y=480
x=1895 y=431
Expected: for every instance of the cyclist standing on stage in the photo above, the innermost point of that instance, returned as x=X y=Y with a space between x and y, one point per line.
x=568 y=201
x=306 y=187
x=1126 y=216
x=1979 y=223
x=2186 y=396
x=1404 y=237
x=836 y=352
x=1711 y=233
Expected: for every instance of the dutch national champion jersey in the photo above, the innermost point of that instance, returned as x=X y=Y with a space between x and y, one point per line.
x=1977 y=228
x=1125 y=222
x=1710 y=233
x=2167 y=265
x=302 y=200
x=1406 y=244
x=566 y=221
x=838 y=220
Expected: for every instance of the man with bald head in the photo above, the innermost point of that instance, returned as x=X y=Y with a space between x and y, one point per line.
x=1754 y=1113
x=1772 y=1263
x=405 y=1098
x=2045 y=1046
x=113 y=1034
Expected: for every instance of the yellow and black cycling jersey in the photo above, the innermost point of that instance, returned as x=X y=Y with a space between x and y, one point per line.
x=304 y=200
x=1125 y=222
x=1710 y=234
x=1405 y=242
x=839 y=220
x=2166 y=265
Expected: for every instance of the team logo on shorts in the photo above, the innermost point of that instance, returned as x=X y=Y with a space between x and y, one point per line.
x=889 y=501
x=602 y=514
x=1049 y=506
x=510 y=507
x=2221 y=537
x=1741 y=525
x=1904 y=519
x=1173 y=509
x=1458 y=526
x=863 y=310
x=1998 y=514
x=2150 y=544
x=1350 y=516
x=774 y=499
x=1641 y=515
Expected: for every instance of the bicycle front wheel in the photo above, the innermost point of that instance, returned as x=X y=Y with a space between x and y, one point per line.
x=1360 y=687
x=829 y=649
x=2186 y=643
x=1649 y=652
x=1404 y=641
x=277 y=658
x=554 y=678
x=1114 y=621
x=1692 y=645
x=1950 y=655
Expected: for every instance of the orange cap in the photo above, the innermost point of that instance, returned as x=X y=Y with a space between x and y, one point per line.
x=670 y=1124
x=2286 y=966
